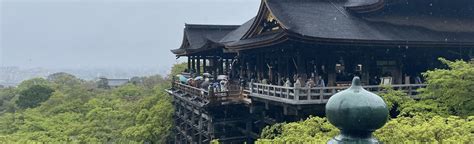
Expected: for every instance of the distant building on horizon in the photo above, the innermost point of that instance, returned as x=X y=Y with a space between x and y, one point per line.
x=111 y=83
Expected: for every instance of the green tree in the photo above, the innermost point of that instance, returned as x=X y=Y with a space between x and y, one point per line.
x=395 y=100
x=64 y=80
x=31 y=82
x=453 y=87
x=33 y=96
x=177 y=69
x=148 y=82
x=427 y=108
x=79 y=112
x=416 y=129
x=8 y=97
x=129 y=92
x=103 y=83
x=154 y=121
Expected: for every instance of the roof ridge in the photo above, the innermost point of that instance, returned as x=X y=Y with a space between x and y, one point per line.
x=211 y=26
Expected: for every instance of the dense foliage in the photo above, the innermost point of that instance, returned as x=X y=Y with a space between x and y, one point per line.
x=444 y=114
x=66 y=109
x=417 y=129
x=453 y=87
x=33 y=96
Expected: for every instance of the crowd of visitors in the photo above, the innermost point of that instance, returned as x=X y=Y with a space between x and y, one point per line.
x=204 y=81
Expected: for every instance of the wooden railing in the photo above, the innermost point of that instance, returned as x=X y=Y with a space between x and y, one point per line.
x=316 y=95
x=191 y=90
x=200 y=92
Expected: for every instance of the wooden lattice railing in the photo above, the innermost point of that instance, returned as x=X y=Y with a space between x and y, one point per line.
x=316 y=95
x=203 y=93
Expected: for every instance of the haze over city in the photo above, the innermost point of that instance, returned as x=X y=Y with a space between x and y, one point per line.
x=118 y=35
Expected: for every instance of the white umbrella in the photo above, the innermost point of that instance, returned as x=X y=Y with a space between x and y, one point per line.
x=221 y=77
x=207 y=74
x=198 y=78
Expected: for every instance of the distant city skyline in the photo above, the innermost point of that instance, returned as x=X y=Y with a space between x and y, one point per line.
x=74 y=34
x=11 y=76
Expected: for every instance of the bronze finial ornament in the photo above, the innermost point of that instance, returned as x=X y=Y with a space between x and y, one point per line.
x=357 y=113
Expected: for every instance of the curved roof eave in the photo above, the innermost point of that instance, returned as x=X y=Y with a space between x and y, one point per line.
x=383 y=37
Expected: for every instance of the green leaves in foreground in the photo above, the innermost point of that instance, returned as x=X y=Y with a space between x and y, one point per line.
x=453 y=87
x=417 y=129
x=444 y=114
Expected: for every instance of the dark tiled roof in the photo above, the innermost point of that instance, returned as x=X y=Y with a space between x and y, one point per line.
x=202 y=37
x=325 y=19
x=238 y=33
x=427 y=22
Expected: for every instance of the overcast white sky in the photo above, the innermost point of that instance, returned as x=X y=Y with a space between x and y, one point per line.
x=106 y=33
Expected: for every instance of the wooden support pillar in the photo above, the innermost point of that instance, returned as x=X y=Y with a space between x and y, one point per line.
x=243 y=67
x=200 y=126
x=331 y=69
x=261 y=66
x=193 y=63
x=399 y=76
x=250 y=68
x=227 y=65
x=204 y=64
x=221 y=65
x=214 y=67
x=192 y=119
x=280 y=80
x=365 y=70
x=198 y=65
x=288 y=62
x=189 y=63
x=248 y=129
x=301 y=64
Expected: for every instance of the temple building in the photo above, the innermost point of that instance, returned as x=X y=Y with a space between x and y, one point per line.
x=287 y=61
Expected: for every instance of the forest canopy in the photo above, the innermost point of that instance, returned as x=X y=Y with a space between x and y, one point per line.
x=64 y=108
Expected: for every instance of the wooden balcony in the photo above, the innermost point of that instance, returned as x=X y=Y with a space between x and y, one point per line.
x=204 y=96
x=316 y=95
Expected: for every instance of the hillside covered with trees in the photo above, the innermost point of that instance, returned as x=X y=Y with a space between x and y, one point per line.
x=63 y=108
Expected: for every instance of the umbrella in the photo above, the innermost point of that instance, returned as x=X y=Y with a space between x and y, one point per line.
x=198 y=78
x=207 y=74
x=183 y=79
x=221 y=77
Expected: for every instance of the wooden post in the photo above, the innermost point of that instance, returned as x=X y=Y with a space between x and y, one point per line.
x=193 y=63
x=204 y=69
x=215 y=67
x=198 y=70
x=297 y=92
x=227 y=65
x=189 y=63
x=279 y=71
x=365 y=70
x=300 y=61
x=331 y=69
x=287 y=65
x=321 y=95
